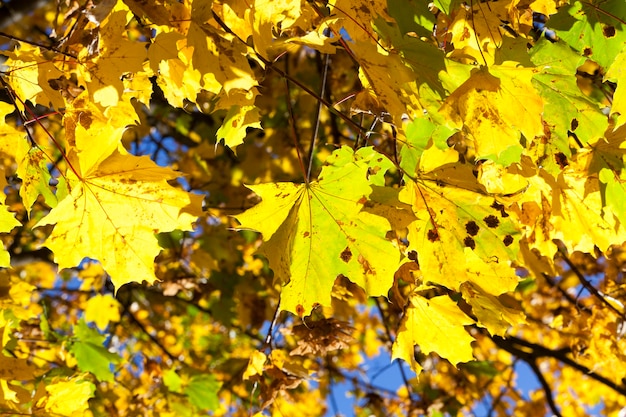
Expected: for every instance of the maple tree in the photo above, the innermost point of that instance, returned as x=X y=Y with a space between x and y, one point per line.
x=237 y=207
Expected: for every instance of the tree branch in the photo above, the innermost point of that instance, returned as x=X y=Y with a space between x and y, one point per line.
x=526 y=351
x=546 y=387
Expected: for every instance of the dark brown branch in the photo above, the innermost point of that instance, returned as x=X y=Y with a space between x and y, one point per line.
x=546 y=387
x=526 y=350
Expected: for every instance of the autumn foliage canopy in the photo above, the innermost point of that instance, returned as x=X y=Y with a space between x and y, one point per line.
x=257 y=207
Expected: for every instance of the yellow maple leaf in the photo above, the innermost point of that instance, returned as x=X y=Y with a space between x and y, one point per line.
x=69 y=398
x=113 y=213
x=29 y=72
x=461 y=235
x=491 y=313
x=7 y=221
x=117 y=57
x=495 y=105
x=8 y=133
x=102 y=309
x=436 y=325
x=255 y=365
x=268 y=16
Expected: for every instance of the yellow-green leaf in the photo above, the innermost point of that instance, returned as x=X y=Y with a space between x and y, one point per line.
x=317 y=232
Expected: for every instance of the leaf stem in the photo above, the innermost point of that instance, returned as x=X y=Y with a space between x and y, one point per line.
x=292 y=120
x=317 y=117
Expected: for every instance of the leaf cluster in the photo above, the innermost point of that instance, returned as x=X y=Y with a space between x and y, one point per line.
x=233 y=206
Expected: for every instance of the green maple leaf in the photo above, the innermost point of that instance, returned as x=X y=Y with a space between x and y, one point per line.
x=319 y=231
x=90 y=354
x=593 y=28
x=567 y=108
x=617 y=74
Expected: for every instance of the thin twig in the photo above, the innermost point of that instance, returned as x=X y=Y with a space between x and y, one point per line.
x=318 y=114
x=546 y=387
x=388 y=333
x=565 y=294
x=588 y=285
x=268 y=338
x=156 y=341
x=292 y=120
x=270 y=64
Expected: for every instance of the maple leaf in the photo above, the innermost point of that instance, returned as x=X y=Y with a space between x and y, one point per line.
x=113 y=213
x=496 y=105
x=436 y=325
x=102 y=309
x=617 y=74
x=266 y=16
x=491 y=313
x=238 y=119
x=592 y=28
x=566 y=110
x=7 y=222
x=30 y=82
x=117 y=56
x=256 y=365
x=405 y=78
x=88 y=348
x=317 y=232
x=569 y=208
x=68 y=397
x=33 y=171
x=461 y=235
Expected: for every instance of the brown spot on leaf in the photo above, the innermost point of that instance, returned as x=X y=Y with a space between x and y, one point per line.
x=299 y=310
x=372 y=171
x=500 y=207
x=472 y=228
x=412 y=255
x=608 y=31
x=561 y=159
x=305 y=234
x=508 y=239
x=491 y=221
x=433 y=236
x=469 y=243
x=346 y=255
x=587 y=51
x=496 y=205
x=362 y=200
x=573 y=125
x=367 y=268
